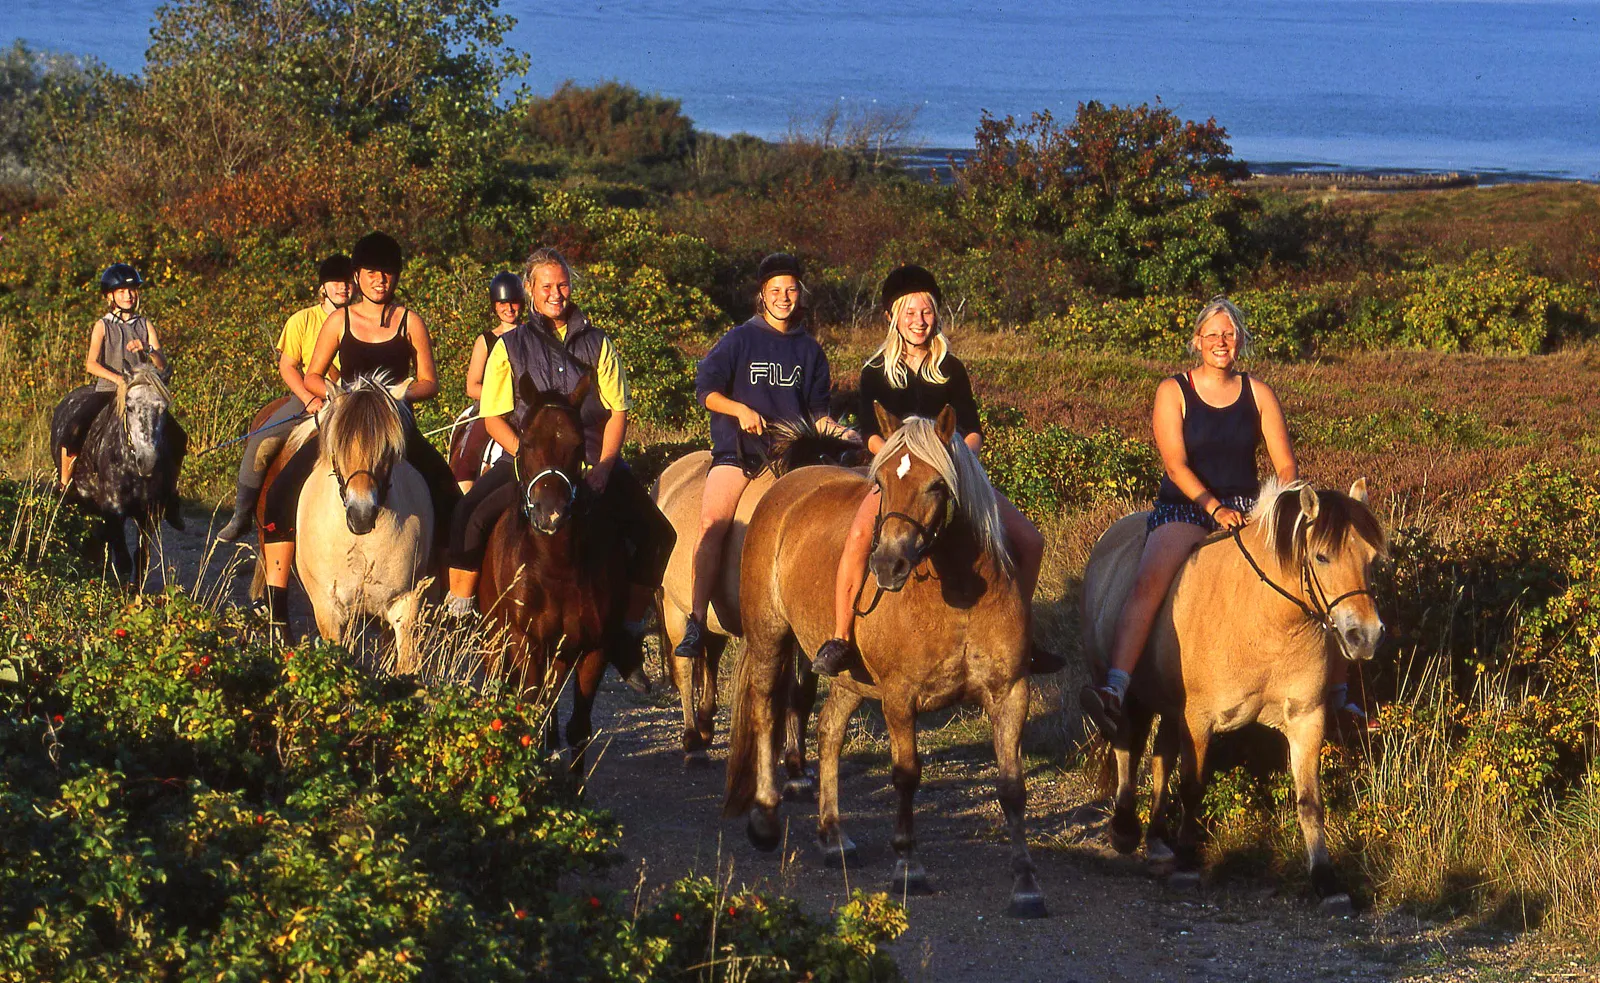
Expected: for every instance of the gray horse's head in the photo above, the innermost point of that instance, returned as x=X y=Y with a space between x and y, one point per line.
x=143 y=402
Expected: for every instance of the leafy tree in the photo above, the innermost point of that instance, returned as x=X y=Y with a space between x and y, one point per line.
x=612 y=121
x=40 y=92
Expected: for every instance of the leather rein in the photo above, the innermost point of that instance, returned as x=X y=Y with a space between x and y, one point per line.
x=1320 y=610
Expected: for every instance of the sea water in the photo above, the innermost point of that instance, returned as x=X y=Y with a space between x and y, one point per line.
x=1418 y=84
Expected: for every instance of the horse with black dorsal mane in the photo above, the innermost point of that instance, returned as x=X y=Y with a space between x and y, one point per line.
x=790 y=445
x=1247 y=634
x=554 y=580
x=128 y=463
x=947 y=626
x=364 y=519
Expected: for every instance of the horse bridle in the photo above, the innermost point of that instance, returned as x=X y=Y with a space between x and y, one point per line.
x=527 y=493
x=1320 y=610
x=927 y=536
x=344 y=481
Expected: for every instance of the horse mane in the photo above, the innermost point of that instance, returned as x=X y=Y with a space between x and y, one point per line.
x=143 y=374
x=958 y=466
x=793 y=444
x=367 y=420
x=1283 y=526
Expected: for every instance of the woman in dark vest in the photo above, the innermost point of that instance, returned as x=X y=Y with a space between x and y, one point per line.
x=554 y=351
x=508 y=304
x=296 y=344
x=371 y=336
x=119 y=339
x=1207 y=424
x=913 y=373
x=768 y=368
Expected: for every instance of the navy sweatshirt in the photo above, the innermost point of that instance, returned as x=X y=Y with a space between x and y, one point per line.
x=781 y=376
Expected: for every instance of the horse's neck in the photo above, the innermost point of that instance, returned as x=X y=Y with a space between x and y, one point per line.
x=1221 y=577
x=959 y=560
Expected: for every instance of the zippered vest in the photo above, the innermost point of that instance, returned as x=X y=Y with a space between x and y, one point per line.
x=114 y=353
x=549 y=364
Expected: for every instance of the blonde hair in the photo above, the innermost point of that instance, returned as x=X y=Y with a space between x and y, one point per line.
x=1222 y=305
x=544 y=256
x=893 y=349
x=961 y=472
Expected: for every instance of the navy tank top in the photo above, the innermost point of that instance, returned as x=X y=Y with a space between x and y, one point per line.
x=1220 y=442
x=392 y=357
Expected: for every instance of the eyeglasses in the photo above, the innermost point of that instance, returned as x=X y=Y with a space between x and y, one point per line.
x=1212 y=339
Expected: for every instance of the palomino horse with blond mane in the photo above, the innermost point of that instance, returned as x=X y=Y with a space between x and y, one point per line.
x=364 y=524
x=1246 y=635
x=948 y=625
x=791 y=445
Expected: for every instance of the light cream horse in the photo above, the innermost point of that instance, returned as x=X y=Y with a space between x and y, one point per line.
x=365 y=520
x=1246 y=635
x=678 y=494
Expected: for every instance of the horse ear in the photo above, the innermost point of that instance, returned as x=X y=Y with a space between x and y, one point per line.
x=1309 y=503
x=398 y=390
x=1358 y=491
x=528 y=393
x=581 y=393
x=946 y=424
x=888 y=423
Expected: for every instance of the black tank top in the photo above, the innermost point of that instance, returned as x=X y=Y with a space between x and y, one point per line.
x=393 y=357
x=1220 y=443
x=490 y=339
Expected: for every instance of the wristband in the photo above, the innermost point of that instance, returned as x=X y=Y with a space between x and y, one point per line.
x=1213 y=511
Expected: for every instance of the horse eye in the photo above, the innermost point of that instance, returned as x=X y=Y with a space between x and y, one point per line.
x=1322 y=558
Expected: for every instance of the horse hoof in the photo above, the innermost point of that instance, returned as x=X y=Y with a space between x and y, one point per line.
x=839 y=855
x=1325 y=882
x=763 y=829
x=1157 y=853
x=1184 y=880
x=696 y=759
x=800 y=790
x=1337 y=906
x=1028 y=905
x=1125 y=837
x=909 y=877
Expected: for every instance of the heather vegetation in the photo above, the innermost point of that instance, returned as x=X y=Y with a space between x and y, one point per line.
x=1436 y=342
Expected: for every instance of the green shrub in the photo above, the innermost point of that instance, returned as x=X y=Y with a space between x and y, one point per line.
x=1046 y=469
x=611 y=121
x=1488 y=303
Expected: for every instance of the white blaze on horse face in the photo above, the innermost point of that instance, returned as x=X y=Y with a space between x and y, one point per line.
x=904 y=468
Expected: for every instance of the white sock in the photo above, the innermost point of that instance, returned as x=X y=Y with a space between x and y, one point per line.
x=1117 y=682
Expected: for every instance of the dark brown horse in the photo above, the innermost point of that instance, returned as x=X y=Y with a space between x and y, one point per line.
x=553 y=577
x=949 y=626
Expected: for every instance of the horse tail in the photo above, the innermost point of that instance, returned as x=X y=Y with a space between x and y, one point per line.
x=744 y=740
x=258 y=582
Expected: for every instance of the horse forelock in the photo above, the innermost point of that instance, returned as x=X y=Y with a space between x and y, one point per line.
x=143 y=376
x=962 y=473
x=365 y=425
x=1286 y=533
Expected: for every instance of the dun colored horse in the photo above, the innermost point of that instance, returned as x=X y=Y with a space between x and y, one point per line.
x=128 y=465
x=1246 y=634
x=948 y=625
x=791 y=445
x=364 y=523
x=554 y=580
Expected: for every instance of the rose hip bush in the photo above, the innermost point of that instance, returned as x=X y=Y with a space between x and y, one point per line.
x=179 y=801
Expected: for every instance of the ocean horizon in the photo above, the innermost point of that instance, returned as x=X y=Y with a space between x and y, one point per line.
x=1488 y=87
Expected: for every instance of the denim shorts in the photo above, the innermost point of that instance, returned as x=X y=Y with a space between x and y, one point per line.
x=1162 y=513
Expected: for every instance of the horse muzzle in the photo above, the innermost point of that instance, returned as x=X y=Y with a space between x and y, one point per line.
x=361 y=515
x=891 y=568
x=1358 y=637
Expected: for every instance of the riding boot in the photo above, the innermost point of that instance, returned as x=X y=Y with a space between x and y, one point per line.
x=244 y=514
x=277 y=615
x=835 y=656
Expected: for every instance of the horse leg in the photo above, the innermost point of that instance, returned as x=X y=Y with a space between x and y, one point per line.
x=685 y=678
x=116 y=536
x=1162 y=759
x=591 y=668
x=1129 y=749
x=837 y=850
x=705 y=717
x=751 y=750
x=1007 y=716
x=800 y=787
x=1194 y=742
x=900 y=713
x=1305 y=733
x=402 y=617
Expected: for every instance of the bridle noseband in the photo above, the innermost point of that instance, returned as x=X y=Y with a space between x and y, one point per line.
x=527 y=494
x=344 y=482
x=1320 y=610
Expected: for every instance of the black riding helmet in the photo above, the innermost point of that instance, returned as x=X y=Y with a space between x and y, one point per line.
x=909 y=279
x=777 y=264
x=119 y=275
x=506 y=288
x=336 y=269
x=377 y=251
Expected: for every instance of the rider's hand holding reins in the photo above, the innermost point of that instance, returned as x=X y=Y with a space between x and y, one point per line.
x=750 y=421
x=1228 y=518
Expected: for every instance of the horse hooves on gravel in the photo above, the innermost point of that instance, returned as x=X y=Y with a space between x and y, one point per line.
x=1158 y=854
x=763 y=829
x=1337 y=906
x=1184 y=880
x=696 y=759
x=1325 y=882
x=838 y=855
x=1125 y=833
x=1028 y=905
x=909 y=877
x=800 y=790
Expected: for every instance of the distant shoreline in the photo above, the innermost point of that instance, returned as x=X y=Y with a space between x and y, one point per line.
x=1306 y=174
